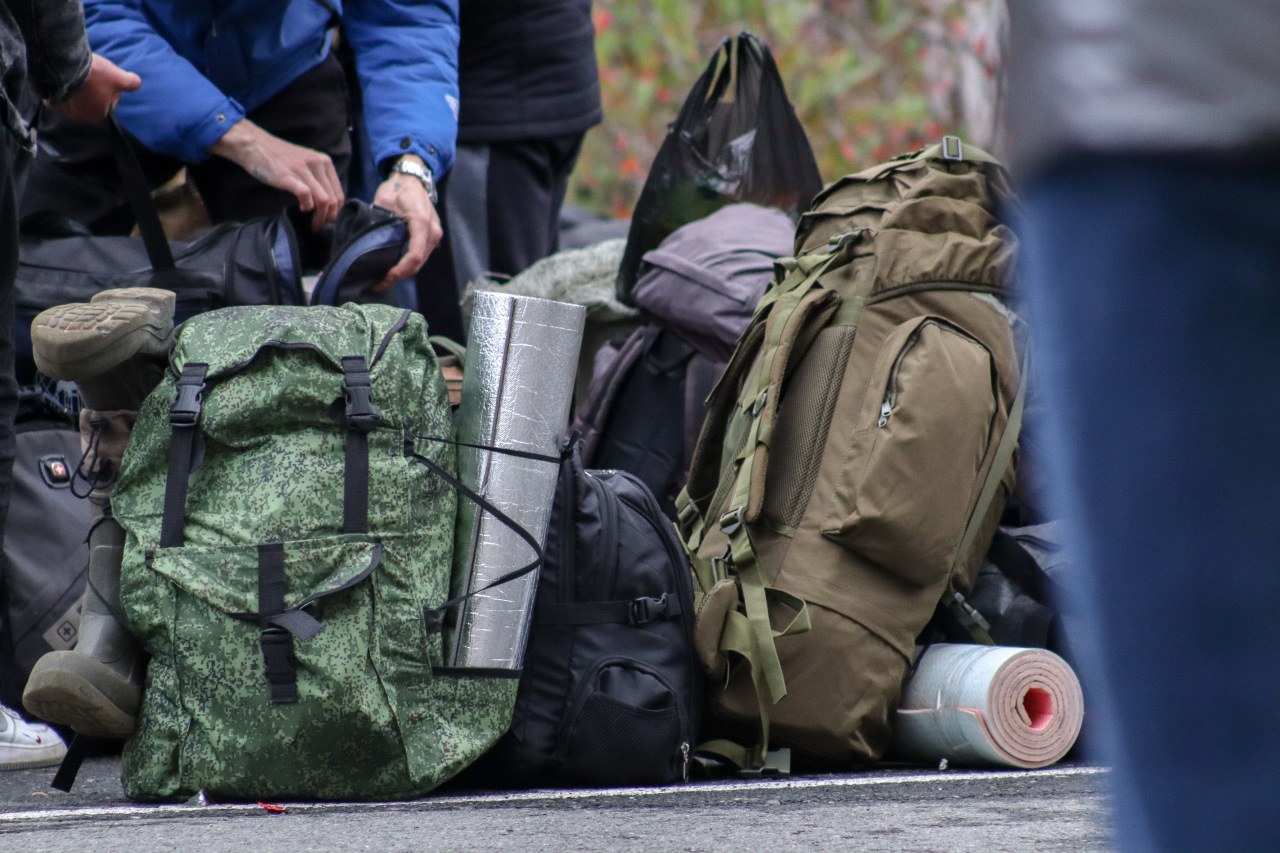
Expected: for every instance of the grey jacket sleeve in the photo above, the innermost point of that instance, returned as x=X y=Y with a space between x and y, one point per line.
x=58 y=54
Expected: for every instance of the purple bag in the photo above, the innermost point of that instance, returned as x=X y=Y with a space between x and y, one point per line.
x=704 y=280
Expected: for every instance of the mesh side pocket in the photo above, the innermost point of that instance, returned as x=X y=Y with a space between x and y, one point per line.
x=613 y=741
x=804 y=419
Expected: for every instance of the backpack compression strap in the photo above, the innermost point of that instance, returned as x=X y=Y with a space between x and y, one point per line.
x=752 y=635
x=361 y=419
x=970 y=618
x=279 y=627
x=184 y=423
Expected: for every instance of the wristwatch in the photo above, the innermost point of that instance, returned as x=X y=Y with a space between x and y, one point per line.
x=422 y=173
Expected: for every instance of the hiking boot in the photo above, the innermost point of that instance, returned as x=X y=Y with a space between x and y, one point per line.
x=24 y=744
x=96 y=688
x=113 y=347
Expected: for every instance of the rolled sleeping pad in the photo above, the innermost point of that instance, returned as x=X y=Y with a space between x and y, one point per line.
x=989 y=706
x=517 y=389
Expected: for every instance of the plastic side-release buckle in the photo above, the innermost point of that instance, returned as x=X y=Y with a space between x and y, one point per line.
x=279 y=664
x=645 y=610
x=357 y=392
x=777 y=764
x=186 y=408
x=732 y=520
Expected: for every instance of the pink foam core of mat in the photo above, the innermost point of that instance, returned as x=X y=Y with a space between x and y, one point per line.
x=1039 y=707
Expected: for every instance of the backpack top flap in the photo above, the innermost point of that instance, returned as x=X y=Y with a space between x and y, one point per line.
x=704 y=280
x=230 y=339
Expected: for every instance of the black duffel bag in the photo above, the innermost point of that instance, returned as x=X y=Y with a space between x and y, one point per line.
x=236 y=263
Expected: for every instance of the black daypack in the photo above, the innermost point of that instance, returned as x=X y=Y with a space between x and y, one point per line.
x=367 y=241
x=611 y=692
x=647 y=400
x=645 y=408
x=45 y=562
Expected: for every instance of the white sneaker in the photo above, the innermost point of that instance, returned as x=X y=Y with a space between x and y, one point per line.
x=24 y=744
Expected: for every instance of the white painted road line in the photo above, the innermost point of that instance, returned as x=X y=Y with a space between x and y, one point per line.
x=555 y=795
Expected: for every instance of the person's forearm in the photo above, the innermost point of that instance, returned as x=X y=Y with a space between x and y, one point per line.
x=307 y=174
x=240 y=144
x=58 y=55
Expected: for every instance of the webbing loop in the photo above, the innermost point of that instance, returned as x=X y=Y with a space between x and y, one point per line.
x=184 y=424
x=361 y=418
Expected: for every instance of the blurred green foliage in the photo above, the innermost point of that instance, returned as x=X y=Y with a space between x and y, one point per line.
x=855 y=70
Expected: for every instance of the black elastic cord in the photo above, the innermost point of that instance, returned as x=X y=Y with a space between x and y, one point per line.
x=95 y=477
x=435 y=618
x=184 y=422
x=391 y=333
x=519 y=454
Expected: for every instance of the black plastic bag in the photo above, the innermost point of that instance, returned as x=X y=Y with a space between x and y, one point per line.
x=736 y=139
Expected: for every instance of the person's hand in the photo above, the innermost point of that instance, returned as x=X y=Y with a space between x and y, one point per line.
x=405 y=196
x=305 y=173
x=100 y=91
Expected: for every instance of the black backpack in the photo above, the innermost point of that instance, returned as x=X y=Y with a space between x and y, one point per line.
x=644 y=411
x=45 y=563
x=699 y=288
x=611 y=692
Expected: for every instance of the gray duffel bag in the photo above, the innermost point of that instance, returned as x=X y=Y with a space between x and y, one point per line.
x=704 y=280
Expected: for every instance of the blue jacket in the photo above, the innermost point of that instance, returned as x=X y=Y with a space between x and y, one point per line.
x=205 y=63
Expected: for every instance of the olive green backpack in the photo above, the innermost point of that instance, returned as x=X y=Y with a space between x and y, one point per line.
x=855 y=459
x=290 y=520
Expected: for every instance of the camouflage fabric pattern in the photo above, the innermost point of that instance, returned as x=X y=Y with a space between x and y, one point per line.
x=372 y=720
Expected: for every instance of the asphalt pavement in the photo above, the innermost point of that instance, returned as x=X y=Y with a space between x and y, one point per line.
x=897 y=809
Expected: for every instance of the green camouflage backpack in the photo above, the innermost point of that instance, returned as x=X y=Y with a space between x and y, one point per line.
x=286 y=533
x=855 y=458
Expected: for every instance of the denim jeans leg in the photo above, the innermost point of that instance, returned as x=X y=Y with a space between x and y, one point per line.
x=1154 y=285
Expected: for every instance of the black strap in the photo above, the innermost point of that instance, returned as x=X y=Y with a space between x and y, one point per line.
x=184 y=424
x=361 y=417
x=77 y=750
x=277 y=642
x=297 y=621
x=138 y=192
x=435 y=618
x=519 y=454
x=638 y=611
x=1013 y=561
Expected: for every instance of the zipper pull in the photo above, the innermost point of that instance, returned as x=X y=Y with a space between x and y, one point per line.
x=684 y=752
x=886 y=409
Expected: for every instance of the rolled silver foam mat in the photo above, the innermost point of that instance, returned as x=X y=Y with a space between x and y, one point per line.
x=517 y=387
x=989 y=706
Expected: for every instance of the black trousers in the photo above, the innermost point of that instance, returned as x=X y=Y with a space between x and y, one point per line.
x=74 y=174
x=500 y=208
